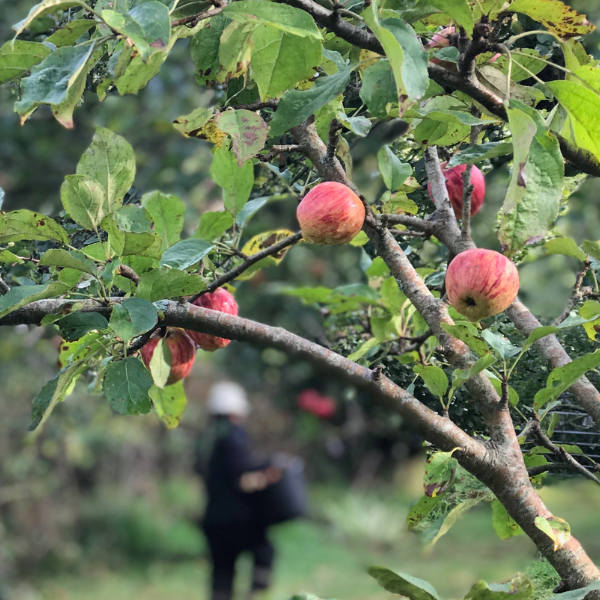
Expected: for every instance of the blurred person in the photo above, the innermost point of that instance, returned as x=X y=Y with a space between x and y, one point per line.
x=232 y=522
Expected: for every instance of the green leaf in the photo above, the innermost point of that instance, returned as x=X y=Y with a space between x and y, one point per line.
x=296 y=106
x=147 y=25
x=249 y=210
x=389 y=35
x=17 y=57
x=169 y=403
x=556 y=529
x=27 y=225
x=160 y=363
x=459 y=10
x=281 y=16
x=434 y=378
x=192 y=125
x=214 y=224
x=110 y=161
x=134 y=218
x=235 y=50
x=504 y=525
x=500 y=344
x=138 y=73
x=378 y=90
x=126 y=386
x=566 y=246
x=519 y=588
x=439 y=473
x=363 y=349
x=391 y=296
x=461 y=376
x=204 y=48
x=70 y=33
x=50 y=80
x=43 y=8
x=72 y=260
x=84 y=200
x=186 y=253
x=77 y=324
x=480 y=152
x=531 y=64
x=165 y=283
x=236 y=181
x=54 y=392
x=469 y=334
x=133 y=317
x=127 y=243
x=578 y=594
x=403 y=584
x=393 y=171
x=358 y=125
x=583 y=107
x=7 y=257
x=561 y=378
x=281 y=60
x=535 y=190
x=167 y=212
x=554 y=15
x=247 y=130
x=420 y=510
x=454 y=515
x=592 y=248
x=21 y=295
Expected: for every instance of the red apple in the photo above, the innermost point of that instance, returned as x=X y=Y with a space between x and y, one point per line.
x=481 y=283
x=313 y=402
x=454 y=185
x=222 y=301
x=183 y=353
x=331 y=213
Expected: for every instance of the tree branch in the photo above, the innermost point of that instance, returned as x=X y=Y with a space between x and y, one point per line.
x=276 y=151
x=248 y=262
x=576 y=294
x=544 y=440
x=193 y=20
x=4 y=288
x=435 y=428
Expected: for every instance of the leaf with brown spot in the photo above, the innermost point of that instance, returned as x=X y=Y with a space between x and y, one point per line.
x=556 y=16
x=247 y=130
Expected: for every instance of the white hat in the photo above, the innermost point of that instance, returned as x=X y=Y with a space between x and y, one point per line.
x=228 y=398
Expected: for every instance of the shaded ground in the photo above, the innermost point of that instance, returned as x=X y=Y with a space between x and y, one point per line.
x=329 y=556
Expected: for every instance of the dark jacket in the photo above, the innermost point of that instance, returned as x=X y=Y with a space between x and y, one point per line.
x=230 y=458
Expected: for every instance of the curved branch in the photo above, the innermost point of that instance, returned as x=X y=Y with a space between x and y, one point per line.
x=437 y=429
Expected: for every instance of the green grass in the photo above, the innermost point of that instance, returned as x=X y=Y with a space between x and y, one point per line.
x=329 y=557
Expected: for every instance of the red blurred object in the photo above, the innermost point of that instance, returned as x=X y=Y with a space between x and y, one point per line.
x=313 y=402
x=454 y=185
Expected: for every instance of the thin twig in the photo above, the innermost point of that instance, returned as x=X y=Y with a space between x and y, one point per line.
x=272 y=103
x=193 y=20
x=4 y=287
x=561 y=453
x=576 y=294
x=141 y=341
x=277 y=150
x=334 y=128
x=248 y=262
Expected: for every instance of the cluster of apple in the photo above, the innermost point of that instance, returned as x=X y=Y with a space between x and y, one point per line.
x=182 y=343
x=480 y=283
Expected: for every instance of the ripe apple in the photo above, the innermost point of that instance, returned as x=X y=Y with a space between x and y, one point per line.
x=222 y=301
x=313 y=402
x=331 y=213
x=454 y=185
x=481 y=283
x=183 y=353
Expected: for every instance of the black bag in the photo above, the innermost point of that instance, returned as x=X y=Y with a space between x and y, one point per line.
x=287 y=498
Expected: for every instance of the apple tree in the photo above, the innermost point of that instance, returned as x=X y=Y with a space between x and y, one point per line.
x=439 y=92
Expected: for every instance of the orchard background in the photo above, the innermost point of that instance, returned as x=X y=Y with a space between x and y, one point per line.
x=94 y=504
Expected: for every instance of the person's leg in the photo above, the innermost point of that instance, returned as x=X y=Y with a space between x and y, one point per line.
x=223 y=557
x=263 y=553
